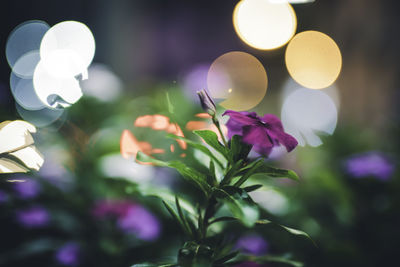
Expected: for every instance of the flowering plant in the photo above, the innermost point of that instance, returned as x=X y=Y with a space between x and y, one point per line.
x=225 y=193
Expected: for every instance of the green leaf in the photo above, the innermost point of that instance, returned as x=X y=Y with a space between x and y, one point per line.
x=211 y=139
x=147 y=264
x=222 y=219
x=232 y=172
x=213 y=181
x=190 y=174
x=182 y=217
x=250 y=172
x=252 y=188
x=240 y=205
x=287 y=229
x=226 y=257
x=239 y=149
x=277 y=173
x=169 y=104
x=176 y=217
x=199 y=147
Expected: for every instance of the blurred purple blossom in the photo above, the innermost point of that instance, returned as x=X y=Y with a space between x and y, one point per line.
x=264 y=133
x=33 y=217
x=370 y=164
x=131 y=218
x=252 y=244
x=117 y=208
x=27 y=189
x=141 y=222
x=3 y=196
x=68 y=254
x=195 y=80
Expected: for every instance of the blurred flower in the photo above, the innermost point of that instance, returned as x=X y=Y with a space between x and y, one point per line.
x=3 y=197
x=27 y=189
x=370 y=164
x=68 y=254
x=207 y=103
x=104 y=208
x=33 y=217
x=252 y=244
x=131 y=218
x=263 y=133
x=140 y=222
x=16 y=141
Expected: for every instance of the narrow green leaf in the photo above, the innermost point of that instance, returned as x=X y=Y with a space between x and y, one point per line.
x=226 y=257
x=240 y=207
x=190 y=174
x=249 y=172
x=175 y=217
x=211 y=139
x=213 y=181
x=169 y=104
x=222 y=219
x=288 y=229
x=182 y=216
x=197 y=146
x=277 y=173
x=252 y=188
x=232 y=172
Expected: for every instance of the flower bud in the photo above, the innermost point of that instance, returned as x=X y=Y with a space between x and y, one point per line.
x=206 y=102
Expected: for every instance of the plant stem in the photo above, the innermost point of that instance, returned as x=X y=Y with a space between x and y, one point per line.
x=216 y=123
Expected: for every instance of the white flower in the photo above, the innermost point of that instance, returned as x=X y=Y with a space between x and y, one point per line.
x=17 y=150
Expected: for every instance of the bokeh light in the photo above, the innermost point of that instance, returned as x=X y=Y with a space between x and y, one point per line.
x=263 y=24
x=313 y=59
x=40 y=118
x=291 y=85
x=53 y=91
x=25 y=38
x=26 y=64
x=103 y=84
x=239 y=79
x=307 y=113
x=67 y=49
x=24 y=93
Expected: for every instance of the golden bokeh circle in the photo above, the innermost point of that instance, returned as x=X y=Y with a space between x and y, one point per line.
x=264 y=25
x=239 y=79
x=313 y=59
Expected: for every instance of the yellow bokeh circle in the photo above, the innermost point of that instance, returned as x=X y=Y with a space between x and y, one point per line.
x=313 y=59
x=238 y=79
x=263 y=24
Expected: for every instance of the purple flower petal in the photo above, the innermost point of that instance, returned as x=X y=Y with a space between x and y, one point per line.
x=245 y=118
x=252 y=244
x=27 y=189
x=33 y=217
x=68 y=254
x=372 y=163
x=140 y=222
x=263 y=133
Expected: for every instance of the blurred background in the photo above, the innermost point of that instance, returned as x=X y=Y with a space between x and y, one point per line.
x=88 y=206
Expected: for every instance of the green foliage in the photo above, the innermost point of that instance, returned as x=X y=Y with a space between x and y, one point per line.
x=228 y=192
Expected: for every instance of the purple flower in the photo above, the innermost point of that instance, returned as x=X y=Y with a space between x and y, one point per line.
x=68 y=254
x=252 y=244
x=263 y=133
x=207 y=103
x=140 y=222
x=117 y=208
x=370 y=164
x=3 y=197
x=33 y=217
x=27 y=189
